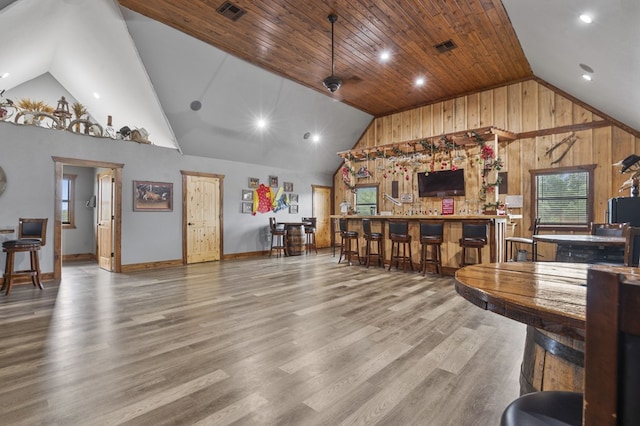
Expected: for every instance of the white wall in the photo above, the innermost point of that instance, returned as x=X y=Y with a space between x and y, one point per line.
x=26 y=157
x=82 y=238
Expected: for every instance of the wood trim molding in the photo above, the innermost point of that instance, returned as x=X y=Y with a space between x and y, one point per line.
x=44 y=277
x=78 y=257
x=245 y=255
x=151 y=265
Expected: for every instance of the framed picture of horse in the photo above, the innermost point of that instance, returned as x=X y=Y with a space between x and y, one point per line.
x=152 y=196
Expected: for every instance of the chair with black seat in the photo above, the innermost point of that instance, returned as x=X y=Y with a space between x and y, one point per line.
x=400 y=239
x=347 y=239
x=278 y=237
x=32 y=235
x=310 y=233
x=431 y=237
x=609 y=229
x=612 y=363
x=370 y=239
x=475 y=235
x=632 y=246
x=510 y=241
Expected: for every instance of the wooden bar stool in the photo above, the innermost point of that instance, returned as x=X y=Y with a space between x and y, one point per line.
x=278 y=234
x=399 y=236
x=431 y=236
x=370 y=238
x=347 y=238
x=310 y=233
x=32 y=234
x=475 y=235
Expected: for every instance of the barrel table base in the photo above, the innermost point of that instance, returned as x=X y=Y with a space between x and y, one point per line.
x=296 y=239
x=551 y=362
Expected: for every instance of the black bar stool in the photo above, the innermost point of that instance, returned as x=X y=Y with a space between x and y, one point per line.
x=347 y=237
x=32 y=235
x=431 y=236
x=310 y=233
x=510 y=241
x=475 y=235
x=399 y=236
x=370 y=238
x=278 y=234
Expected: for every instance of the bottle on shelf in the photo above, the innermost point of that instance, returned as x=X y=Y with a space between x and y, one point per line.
x=109 y=131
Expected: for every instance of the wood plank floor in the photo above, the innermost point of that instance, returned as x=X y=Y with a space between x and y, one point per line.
x=288 y=341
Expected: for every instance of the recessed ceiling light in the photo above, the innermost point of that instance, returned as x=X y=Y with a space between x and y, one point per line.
x=261 y=123
x=96 y=95
x=5 y=75
x=385 y=56
x=420 y=81
x=586 y=18
x=587 y=77
x=315 y=138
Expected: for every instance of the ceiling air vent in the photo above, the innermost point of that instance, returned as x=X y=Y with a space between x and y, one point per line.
x=231 y=11
x=445 y=46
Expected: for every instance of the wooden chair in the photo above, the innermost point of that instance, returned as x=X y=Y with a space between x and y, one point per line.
x=431 y=236
x=347 y=238
x=310 y=233
x=278 y=237
x=400 y=239
x=612 y=363
x=475 y=234
x=510 y=241
x=32 y=235
x=608 y=229
x=370 y=238
x=632 y=246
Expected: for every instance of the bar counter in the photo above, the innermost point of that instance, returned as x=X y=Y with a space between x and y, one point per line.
x=451 y=250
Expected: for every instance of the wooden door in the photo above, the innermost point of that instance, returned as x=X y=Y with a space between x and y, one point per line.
x=202 y=215
x=321 y=200
x=105 y=220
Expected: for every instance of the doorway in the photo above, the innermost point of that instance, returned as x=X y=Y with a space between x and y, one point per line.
x=201 y=217
x=116 y=208
x=321 y=209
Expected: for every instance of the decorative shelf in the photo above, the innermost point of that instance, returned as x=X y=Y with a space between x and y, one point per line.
x=457 y=140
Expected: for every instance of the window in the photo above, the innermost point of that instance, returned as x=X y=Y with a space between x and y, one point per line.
x=68 y=200
x=563 y=197
x=366 y=200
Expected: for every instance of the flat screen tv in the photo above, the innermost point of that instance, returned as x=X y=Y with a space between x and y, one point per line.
x=444 y=183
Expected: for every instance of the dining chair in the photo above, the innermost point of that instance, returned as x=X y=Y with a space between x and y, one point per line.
x=278 y=235
x=612 y=363
x=510 y=241
x=608 y=229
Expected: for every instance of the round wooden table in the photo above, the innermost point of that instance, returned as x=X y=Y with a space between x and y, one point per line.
x=550 y=298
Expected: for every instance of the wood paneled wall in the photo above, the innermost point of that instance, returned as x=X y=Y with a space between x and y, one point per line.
x=521 y=107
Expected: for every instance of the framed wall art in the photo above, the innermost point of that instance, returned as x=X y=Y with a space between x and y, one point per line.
x=254 y=182
x=247 y=208
x=273 y=181
x=293 y=209
x=152 y=196
x=288 y=186
x=247 y=195
x=293 y=198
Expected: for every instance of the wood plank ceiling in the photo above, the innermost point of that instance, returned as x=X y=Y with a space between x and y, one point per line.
x=292 y=38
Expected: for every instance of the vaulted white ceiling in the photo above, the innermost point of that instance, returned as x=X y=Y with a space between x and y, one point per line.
x=148 y=75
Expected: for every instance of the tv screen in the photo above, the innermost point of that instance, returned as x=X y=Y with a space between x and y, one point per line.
x=441 y=184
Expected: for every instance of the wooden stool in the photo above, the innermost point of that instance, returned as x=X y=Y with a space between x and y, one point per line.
x=347 y=237
x=475 y=234
x=370 y=238
x=431 y=235
x=278 y=234
x=399 y=236
x=15 y=246
x=310 y=233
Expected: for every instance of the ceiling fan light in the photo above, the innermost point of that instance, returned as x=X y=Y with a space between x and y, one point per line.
x=332 y=83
